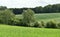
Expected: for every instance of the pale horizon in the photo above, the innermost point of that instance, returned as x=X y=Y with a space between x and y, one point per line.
x=27 y=3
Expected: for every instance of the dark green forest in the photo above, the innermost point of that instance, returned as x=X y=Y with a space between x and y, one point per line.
x=55 y=8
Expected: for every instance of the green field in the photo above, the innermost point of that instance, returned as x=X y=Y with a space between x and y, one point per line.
x=16 y=31
x=45 y=16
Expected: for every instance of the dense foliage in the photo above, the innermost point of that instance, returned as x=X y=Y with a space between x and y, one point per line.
x=3 y=8
x=55 y=8
x=6 y=16
x=28 y=17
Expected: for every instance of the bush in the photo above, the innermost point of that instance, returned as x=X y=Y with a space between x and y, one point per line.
x=6 y=16
x=36 y=24
x=51 y=24
x=43 y=24
x=16 y=22
x=58 y=25
x=40 y=25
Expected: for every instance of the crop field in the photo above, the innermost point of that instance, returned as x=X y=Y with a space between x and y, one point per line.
x=16 y=31
x=45 y=17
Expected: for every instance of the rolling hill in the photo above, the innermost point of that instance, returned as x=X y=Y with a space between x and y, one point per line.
x=45 y=17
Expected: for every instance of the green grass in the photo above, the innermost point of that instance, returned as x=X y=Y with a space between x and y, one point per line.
x=45 y=16
x=16 y=31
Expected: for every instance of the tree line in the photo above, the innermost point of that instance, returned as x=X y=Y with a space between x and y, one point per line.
x=55 y=8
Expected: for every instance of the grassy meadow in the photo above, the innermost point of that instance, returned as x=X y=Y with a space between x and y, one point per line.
x=16 y=31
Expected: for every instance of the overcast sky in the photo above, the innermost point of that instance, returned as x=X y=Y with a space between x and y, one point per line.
x=27 y=3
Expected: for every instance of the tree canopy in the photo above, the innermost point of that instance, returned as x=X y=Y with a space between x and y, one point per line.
x=28 y=17
x=6 y=16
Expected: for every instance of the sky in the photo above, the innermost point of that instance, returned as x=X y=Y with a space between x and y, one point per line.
x=27 y=3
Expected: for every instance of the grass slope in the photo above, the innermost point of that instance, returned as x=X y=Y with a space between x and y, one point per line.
x=45 y=16
x=16 y=31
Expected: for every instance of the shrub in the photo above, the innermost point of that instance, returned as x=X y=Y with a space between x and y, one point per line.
x=51 y=24
x=16 y=22
x=58 y=25
x=42 y=24
x=6 y=16
x=36 y=24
